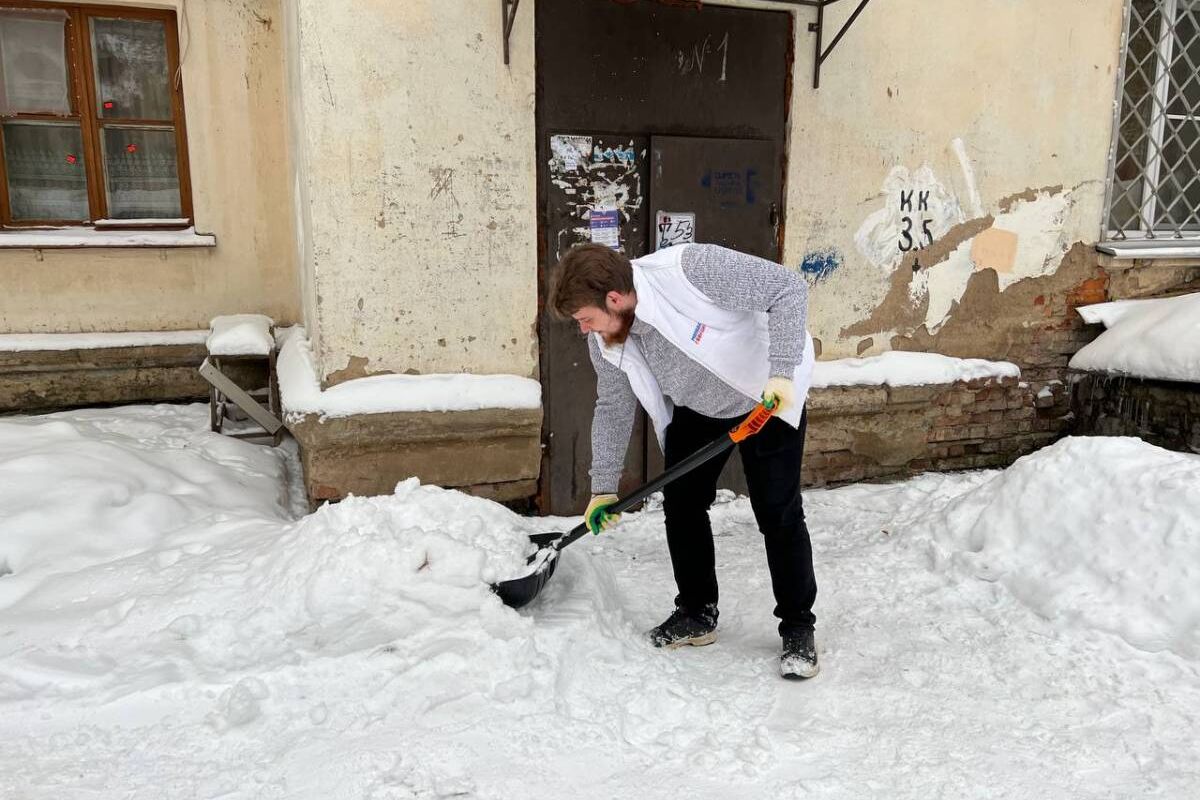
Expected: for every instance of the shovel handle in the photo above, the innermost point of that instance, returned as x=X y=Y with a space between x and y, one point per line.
x=751 y=425
x=754 y=423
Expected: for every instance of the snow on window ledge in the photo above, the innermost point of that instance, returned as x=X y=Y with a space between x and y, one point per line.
x=87 y=236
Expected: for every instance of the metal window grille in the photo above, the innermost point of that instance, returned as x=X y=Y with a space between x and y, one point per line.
x=1153 y=188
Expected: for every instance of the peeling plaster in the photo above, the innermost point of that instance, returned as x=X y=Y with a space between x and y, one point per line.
x=901 y=309
x=1006 y=203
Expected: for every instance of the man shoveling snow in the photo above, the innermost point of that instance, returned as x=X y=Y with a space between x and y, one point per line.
x=698 y=334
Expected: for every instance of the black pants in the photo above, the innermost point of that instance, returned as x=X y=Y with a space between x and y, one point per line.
x=771 y=460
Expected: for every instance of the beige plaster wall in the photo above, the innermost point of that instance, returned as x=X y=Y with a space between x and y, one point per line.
x=418 y=181
x=233 y=84
x=986 y=122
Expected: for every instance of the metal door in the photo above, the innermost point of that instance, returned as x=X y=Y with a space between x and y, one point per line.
x=715 y=191
x=728 y=188
x=595 y=180
x=619 y=72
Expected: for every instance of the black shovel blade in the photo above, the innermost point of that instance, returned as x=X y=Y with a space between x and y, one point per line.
x=520 y=591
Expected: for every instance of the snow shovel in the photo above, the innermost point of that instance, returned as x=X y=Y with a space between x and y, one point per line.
x=519 y=591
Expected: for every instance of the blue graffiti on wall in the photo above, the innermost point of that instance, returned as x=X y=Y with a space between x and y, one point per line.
x=820 y=264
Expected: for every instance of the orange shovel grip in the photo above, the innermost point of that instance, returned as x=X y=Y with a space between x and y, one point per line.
x=752 y=424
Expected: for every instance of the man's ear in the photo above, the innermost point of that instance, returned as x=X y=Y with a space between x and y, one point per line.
x=613 y=300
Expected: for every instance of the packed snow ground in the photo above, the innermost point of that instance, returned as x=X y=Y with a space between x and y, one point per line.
x=172 y=626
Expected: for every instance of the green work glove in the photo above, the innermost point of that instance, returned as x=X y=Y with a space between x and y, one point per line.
x=597 y=517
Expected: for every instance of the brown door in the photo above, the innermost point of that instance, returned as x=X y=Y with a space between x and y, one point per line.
x=728 y=188
x=616 y=77
x=596 y=181
x=726 y=192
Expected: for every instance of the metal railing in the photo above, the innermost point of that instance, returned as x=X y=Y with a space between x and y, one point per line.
x=1153 y=189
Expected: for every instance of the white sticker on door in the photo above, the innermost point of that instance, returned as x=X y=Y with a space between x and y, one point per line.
x=605 y=225
x=674 y=227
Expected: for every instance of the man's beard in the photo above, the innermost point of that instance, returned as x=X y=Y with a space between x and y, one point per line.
x=626 y=317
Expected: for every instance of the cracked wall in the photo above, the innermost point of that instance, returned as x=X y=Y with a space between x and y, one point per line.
x=418 y=151
x=953 y=159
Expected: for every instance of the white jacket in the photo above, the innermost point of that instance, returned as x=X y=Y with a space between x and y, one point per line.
x=730 y=344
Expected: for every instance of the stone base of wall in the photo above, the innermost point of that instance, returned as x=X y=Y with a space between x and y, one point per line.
x=1164 y=413
x=880 y=433
x=493 y=453
x=48 y=380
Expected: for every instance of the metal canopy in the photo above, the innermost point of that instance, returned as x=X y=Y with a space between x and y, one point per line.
x=508 y=13
x=818 y=28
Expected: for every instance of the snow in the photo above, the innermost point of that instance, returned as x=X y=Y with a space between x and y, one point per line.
x=898 y=368
x=77 y=236
x=18 y=342
x=241 y=335
x=1128 y=564
x=971 y=645
x=301 y=391
x=1157 y=338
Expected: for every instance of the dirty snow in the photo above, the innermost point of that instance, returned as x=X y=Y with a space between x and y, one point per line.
x=301 y=392
x=1155 y=338
x=972 y=645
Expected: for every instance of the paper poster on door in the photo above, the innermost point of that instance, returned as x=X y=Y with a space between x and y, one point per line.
x=570 y=151
x=674 y=227
x=606 y=227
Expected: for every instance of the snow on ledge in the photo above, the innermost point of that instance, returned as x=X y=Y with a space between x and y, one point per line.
x=1156 y=338
x=301 y=392
x=21 y=342
x=82 y=236
x=241 y=335
x=898 y=368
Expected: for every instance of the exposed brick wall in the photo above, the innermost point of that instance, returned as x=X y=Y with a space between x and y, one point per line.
x=1164 y=413
x=870 y=432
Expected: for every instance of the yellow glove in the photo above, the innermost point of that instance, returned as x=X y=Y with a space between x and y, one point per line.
x=779 y=394
x=597 y=517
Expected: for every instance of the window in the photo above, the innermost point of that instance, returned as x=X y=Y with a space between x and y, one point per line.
x=91 y=117
x=1154 y=180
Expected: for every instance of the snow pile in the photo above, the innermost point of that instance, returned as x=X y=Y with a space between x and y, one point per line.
x=21 y=342
x=88 y=487
x=169 y=555
x=1103 y=532
x=238 y=651
x=241 y=335
x=379 y=394
x=898 y=368
x=1158 y=338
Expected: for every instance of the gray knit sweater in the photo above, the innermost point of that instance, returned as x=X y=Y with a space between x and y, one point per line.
x=730 y=279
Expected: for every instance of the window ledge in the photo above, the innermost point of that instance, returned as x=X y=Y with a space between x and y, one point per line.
x=1152 y=248
x=87 y=236
x=1143 y=253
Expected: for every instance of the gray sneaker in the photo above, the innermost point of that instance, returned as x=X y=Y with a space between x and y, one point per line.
x=685 y=628
x=799 y=659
